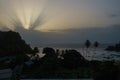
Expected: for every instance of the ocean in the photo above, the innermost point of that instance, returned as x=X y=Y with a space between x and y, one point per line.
x=90 y=53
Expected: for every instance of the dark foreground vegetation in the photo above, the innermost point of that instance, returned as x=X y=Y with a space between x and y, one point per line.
x=66 y=64
x=70 y=64
x=74 y=66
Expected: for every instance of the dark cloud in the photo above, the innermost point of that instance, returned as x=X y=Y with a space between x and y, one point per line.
x=114 y=15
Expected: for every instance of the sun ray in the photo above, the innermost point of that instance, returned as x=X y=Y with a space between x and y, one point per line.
x=23 y=13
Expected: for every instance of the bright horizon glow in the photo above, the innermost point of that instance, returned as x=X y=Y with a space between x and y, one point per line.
x=57 y=15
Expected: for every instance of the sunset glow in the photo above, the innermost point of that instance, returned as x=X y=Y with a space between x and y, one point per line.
x=55 y=15
x=57 y=21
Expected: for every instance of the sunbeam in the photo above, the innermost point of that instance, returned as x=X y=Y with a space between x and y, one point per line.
x=22 y=13
x=57 y=15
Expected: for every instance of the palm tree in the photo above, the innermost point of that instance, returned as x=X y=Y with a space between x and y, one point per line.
x=96 y=44
x=87 y=44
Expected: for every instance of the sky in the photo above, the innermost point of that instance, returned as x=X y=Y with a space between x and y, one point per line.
x=62 y=21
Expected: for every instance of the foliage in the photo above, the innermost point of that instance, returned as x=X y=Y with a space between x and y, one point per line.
x=116 y=48
x=73 y=59
x=104 y=70
x=11 y=43
x=87 y=43
x=96 y=44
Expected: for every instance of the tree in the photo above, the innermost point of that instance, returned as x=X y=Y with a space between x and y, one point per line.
x=58 y=52
x=35 y=50
x=96 y=44
x=12 y=44
x=87 y=44
x=115 y=47
x=73 y=59
x=49 y=61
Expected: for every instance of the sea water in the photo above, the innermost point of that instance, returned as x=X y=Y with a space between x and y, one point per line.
x=91 y=53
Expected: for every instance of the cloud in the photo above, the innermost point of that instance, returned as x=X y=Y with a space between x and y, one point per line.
x=114 y=15
x=19 y=13
x=66 y=21
x=108 y=34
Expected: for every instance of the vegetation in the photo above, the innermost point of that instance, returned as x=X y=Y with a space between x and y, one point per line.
x=116 y=48
x=11 y=44
x=71 y=64
x=87 y=43
x=55 y=64
x=96 y=44
x=105 y=70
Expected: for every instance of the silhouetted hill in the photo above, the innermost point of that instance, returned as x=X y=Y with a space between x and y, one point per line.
x=11 y=43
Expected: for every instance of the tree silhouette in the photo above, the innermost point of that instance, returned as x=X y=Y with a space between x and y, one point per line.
x=49 y=61
x=35 y=50
x=96 y=44
x=12 y=44
x=87 y=44
x=73 y=59
x=58 y=52
x=115 y=48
